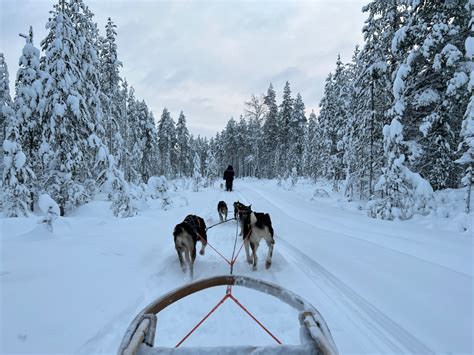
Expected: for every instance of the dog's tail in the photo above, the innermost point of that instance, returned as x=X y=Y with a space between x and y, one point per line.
x=268 y=222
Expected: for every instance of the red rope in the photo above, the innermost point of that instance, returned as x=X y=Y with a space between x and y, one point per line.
x=222 y=256
x=223 y=299
x=202 y=320
x=253 y=317
x=248 y=235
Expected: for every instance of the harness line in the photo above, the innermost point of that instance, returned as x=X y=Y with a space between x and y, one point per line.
x=228 y=293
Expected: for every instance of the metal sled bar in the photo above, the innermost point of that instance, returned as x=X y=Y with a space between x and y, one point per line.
x=315 y=334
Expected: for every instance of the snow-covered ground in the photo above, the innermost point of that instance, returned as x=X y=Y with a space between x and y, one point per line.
x=383 y=287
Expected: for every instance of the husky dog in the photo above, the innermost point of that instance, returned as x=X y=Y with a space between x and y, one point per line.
x=255 y=227
x=240 y=207
x=222 y=210
x=186 y=235
x=239 y=210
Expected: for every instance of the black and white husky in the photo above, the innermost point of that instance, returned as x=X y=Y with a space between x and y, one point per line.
x=186 y=234
x=255 y=227
x=222 y=210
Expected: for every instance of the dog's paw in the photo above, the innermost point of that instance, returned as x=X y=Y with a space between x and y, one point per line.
x=254 y=268
x=268 y=264
x=201 y=252
x=250 y=261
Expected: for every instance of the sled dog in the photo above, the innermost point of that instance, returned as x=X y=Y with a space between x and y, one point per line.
x=186 y=234
x=222 y=210
x=255 y=227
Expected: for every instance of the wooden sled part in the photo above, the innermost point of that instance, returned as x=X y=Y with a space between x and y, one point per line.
x=314 y=333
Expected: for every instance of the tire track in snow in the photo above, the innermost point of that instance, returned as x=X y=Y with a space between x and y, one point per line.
x=377 y=324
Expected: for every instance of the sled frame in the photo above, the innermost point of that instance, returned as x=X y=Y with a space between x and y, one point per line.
x=315 y=335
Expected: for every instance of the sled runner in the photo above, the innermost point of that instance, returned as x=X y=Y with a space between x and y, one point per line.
x=314 y=334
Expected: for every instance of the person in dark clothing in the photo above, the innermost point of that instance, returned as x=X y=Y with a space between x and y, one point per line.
x=229 y=178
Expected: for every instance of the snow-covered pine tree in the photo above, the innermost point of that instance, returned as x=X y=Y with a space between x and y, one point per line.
x=242 y=147
x=17 y=174
x=430 y=44
x=29 y=103
x=284 y=121
x=339 y=122
x=197 y=176
x=353 y=132
x=167 y=144
x=149 y=165
x=229 y=143
x=212 y=168
x=255 y=112
x=112 y=100
x=183 y=148
x=270 y=133
x=124 y=159
x=255 y=143
x=5 y=102
x=122 y=202
x=374 y=88
x=467 y=131
x=403 y=192
x=326 y=116
x=201 y=147
x=87 y=33
x=308 y=148
x=395 y=201
x=296 y=135
x=66 y=111
x=134 y=143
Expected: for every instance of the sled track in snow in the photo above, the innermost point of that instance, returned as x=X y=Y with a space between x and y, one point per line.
x=362 y=240
x=377 y=324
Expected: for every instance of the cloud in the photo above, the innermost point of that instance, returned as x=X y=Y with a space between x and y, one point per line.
x=207 y=57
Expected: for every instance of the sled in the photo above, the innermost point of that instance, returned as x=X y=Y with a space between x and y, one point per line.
x=315 y=336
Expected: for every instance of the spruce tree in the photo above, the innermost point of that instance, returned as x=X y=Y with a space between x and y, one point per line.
x=430 y=44
x=29 y=102
x=17 y=174
x=112 y=98
x=183 y=148
x=167 y=144
x=296 y=134
x=467 y=131
x=5 y=103
x=66 y=111
x=284 y=121
x=270 y=135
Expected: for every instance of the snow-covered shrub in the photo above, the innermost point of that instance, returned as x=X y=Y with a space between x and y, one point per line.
x=50 y=209
x=90 y=188
x=320 y=193
x=122 y=204
x=157 y=187
x=401 y=192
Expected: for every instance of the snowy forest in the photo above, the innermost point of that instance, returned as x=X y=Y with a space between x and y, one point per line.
x=395 y=124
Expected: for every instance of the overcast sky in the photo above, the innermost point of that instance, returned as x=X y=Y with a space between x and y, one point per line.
x=207 y=57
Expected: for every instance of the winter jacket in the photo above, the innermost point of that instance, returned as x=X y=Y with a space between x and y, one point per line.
x=229 y=174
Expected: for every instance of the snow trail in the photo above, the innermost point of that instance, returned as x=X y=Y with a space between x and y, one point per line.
x=376 y=295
